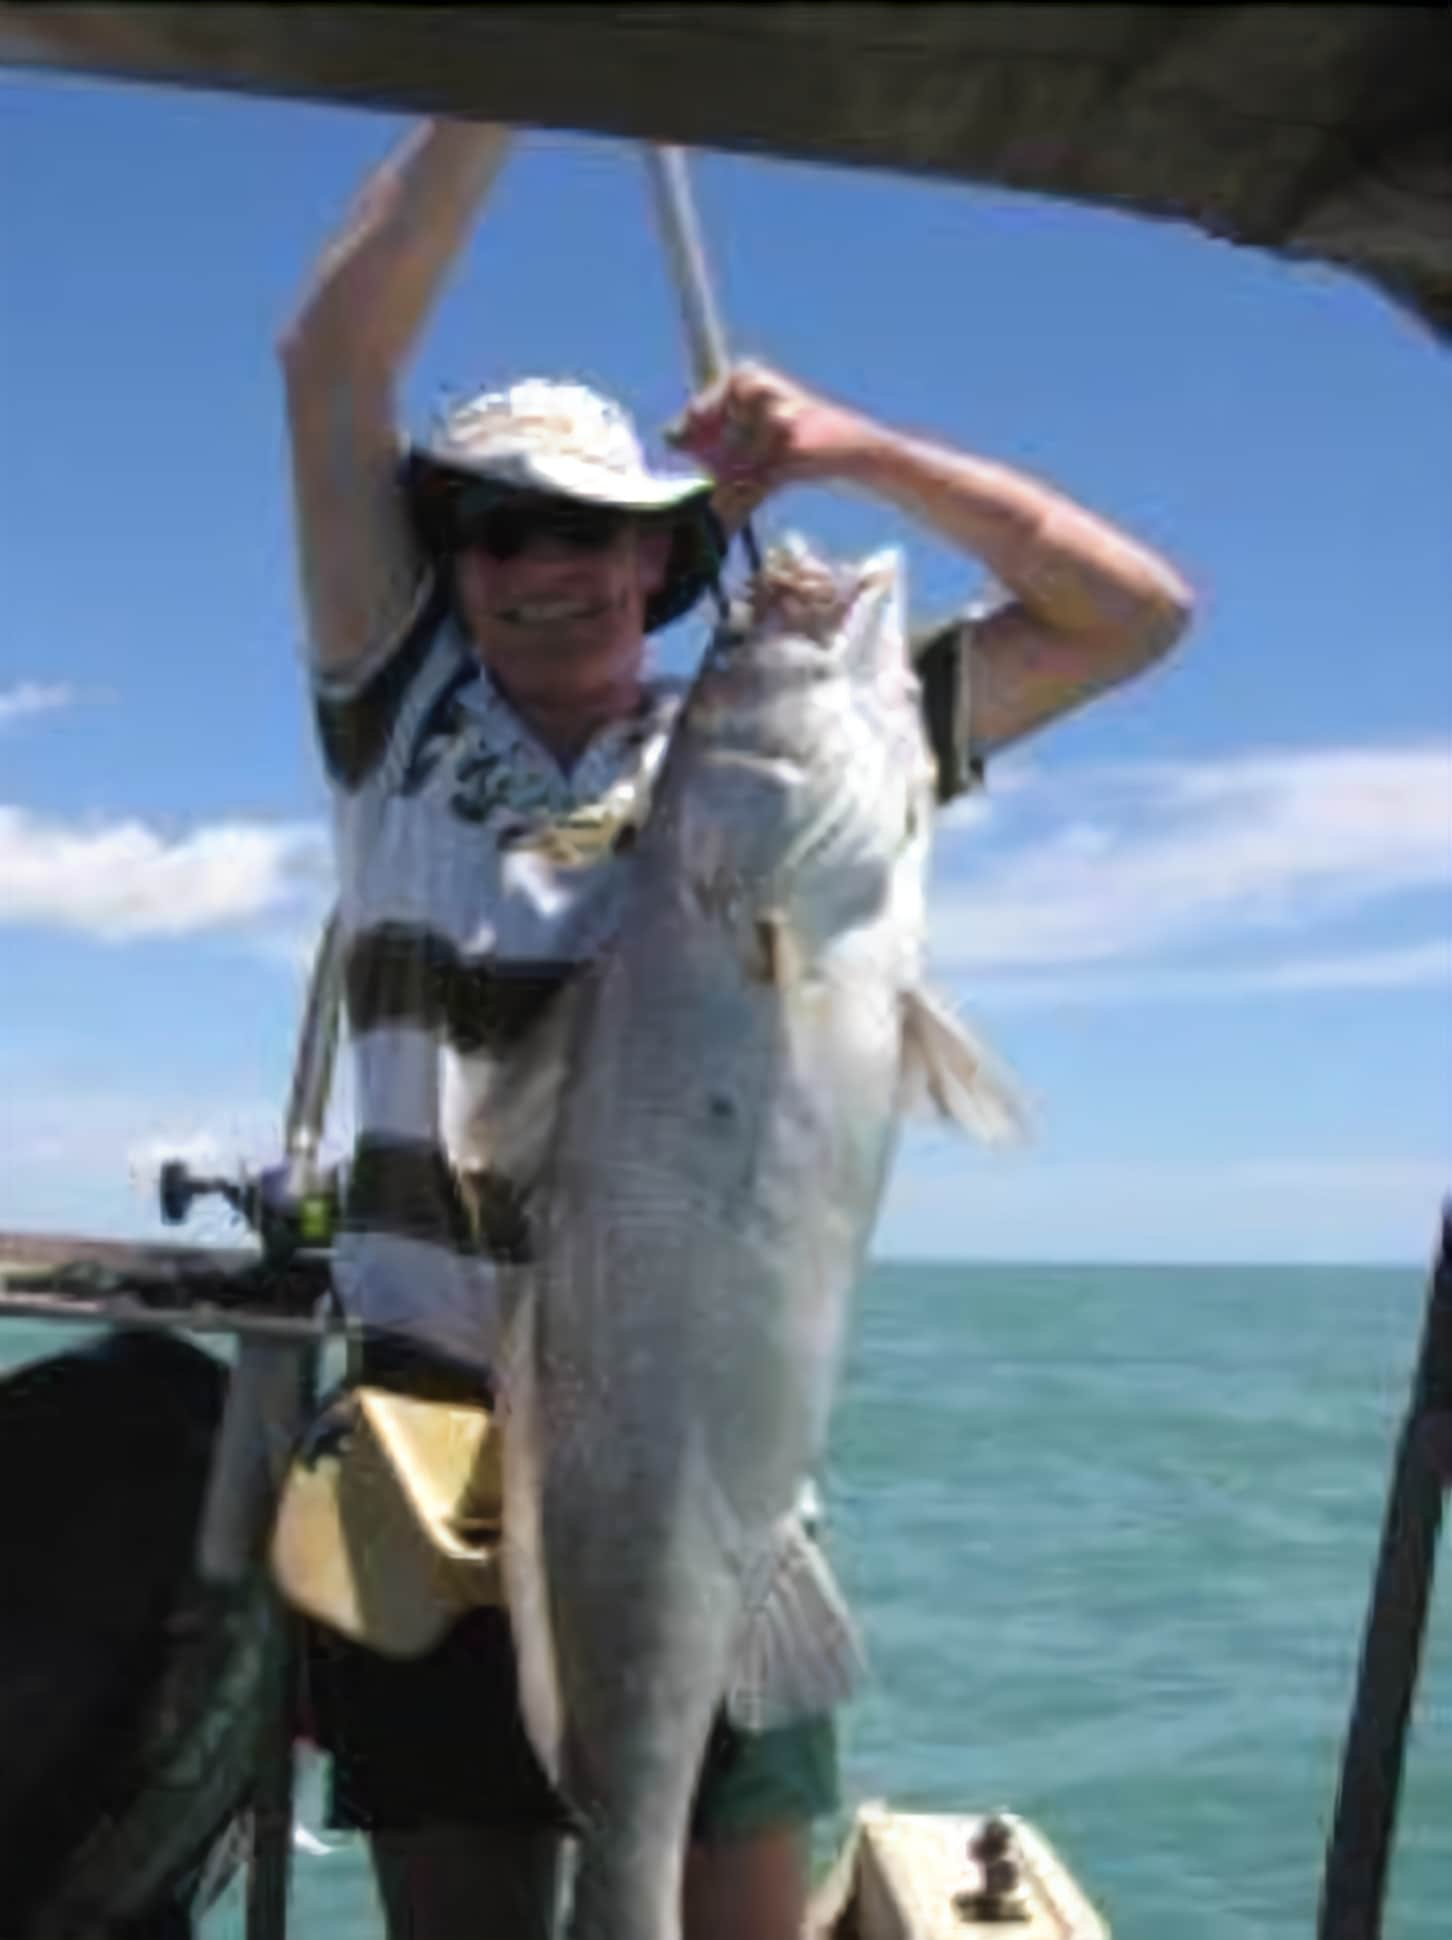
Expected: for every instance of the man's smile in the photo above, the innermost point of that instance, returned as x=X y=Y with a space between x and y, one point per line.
x=553 y=612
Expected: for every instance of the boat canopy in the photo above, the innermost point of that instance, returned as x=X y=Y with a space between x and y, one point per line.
x=1322 y=132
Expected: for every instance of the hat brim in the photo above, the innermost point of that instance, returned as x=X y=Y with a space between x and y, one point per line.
x=434 y=489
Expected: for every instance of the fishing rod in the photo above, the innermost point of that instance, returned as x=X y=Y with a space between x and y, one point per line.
x=271 y=1394
x=686 y=255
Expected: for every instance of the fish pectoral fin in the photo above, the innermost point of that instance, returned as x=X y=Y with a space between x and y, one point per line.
x=947 y=1068
x=798 y=1654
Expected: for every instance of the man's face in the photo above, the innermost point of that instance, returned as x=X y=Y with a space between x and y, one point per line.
x=554 y=594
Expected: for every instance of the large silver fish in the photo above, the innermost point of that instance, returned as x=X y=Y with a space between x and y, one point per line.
x=736 y=1064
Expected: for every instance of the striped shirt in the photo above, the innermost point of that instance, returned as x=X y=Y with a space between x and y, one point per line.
x=476 y=877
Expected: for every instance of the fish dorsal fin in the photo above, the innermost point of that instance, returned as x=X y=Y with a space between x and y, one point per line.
x=874 y=636
x=946 y=1068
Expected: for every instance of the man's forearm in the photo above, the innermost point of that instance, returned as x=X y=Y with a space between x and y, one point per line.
x=1070 y=569
x=377 y=280
x=1091 y=607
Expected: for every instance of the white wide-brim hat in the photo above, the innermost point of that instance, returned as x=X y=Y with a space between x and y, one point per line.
x=565 y=441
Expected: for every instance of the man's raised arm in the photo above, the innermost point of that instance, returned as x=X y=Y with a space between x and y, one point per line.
x=1090 y=606
x=372 y=289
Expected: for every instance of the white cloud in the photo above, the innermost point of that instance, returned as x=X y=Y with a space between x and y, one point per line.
x=123 y=880
x=89 y=1130
x=290 y=946
x=85 y=1159
x=949 y=1203
x=30 y=697
x=1163 y=855
x=246 y=1137
x=1417 y=966
x=198 y=1151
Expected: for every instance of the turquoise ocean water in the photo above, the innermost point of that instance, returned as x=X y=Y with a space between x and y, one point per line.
x=1110 y=1533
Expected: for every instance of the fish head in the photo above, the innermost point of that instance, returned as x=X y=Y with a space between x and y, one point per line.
x=811 y=783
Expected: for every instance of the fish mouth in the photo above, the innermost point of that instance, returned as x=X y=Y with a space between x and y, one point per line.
x=553 y=612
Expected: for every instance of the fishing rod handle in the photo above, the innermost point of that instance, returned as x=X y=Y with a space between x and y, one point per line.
x=686 y=255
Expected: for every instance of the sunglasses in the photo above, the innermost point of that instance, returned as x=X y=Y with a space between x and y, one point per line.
x=505 y=529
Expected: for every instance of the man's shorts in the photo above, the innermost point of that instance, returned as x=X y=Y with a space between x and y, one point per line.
x=439 y=1740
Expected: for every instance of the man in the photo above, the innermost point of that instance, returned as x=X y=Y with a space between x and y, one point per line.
x=477 y=619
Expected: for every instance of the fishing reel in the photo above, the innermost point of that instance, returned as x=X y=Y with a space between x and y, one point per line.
x=283 y=1219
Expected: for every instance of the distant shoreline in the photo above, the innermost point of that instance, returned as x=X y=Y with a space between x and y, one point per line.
x=20 y=1249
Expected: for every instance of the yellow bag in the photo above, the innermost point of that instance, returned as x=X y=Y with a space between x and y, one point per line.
x=388 y=1528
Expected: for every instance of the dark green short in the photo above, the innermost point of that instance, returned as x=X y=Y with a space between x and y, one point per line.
x=439 y=1740
x=757 y=1779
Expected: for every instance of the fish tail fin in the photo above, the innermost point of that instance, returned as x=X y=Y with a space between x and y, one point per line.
x=947 y=1066
x=525 y=1582
x=798 y=1654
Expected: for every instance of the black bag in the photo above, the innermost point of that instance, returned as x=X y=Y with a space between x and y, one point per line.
x=128 y=1693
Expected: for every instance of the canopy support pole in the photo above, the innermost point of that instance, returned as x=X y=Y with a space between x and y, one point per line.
x=1359 y=1852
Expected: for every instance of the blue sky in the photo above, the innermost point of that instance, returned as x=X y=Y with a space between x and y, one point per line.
x=1208 y=922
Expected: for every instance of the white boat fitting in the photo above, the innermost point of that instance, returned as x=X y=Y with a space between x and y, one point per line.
x=946 y=1876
